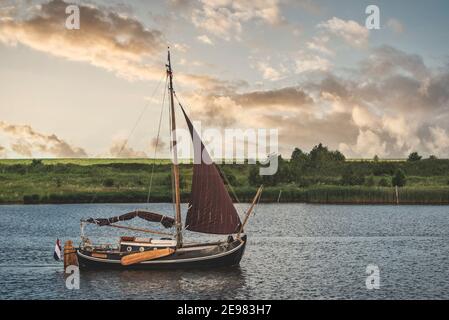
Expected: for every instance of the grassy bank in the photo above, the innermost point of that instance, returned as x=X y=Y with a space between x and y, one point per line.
x=119 y=181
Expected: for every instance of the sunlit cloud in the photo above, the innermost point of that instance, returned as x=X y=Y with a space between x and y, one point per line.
x=105 y=39
x=350 y=31
x=25 y=141
x=224 y=18
x=205 y=39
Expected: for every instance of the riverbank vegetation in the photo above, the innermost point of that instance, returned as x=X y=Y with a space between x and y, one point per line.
x=318 y=176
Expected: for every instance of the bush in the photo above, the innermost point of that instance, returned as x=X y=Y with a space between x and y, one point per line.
x=369 y=182
x=399 y=179
x=414 y=156
x=384 y=183
x=168 y=180
x=254 y=178
x=36 y=162
x=108 y=182
x=227 y=176
x=31 y=199
x=350 y=178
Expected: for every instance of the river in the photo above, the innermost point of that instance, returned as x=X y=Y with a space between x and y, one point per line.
x=294 y=251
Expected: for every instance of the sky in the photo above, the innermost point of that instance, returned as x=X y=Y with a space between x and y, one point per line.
x=310 y=69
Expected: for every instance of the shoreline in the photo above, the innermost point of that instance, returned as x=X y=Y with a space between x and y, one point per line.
x=354 y=203
x=311 y=203
x=332 y=195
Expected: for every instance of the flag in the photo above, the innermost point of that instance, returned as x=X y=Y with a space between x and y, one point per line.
x=57 y=253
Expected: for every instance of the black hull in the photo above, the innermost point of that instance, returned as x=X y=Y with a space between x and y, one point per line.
x=212 y=257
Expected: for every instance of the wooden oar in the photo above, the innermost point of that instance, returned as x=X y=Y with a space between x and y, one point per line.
x=248 y=213
x=145 y=256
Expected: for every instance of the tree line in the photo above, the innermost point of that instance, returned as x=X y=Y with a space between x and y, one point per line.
x=322 y=166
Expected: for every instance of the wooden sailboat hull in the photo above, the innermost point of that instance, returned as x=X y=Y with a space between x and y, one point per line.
x=203 y=256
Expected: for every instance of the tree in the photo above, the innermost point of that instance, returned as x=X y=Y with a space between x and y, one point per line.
x=298 y=155
x=168 y=181
x=414 y=156
x=337 y=156
x=369 y=182
x=320 y=155
x=399 y=179
x=228 y=176
x=433 y=157
x=254 y=178
x=282 y=174
x=376 y=158
x=350 y=178
x=36 y=162
x=298 y=164
x=108 y=182
x=384 y=183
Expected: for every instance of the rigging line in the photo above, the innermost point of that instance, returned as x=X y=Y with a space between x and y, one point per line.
x=157 y=140
x=135 y=125
x=139 y=118
x=218 y=168
x=228 y=183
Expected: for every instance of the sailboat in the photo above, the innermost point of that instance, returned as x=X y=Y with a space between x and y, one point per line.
x=210 y=211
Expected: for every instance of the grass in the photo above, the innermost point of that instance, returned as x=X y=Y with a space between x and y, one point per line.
x=127 y=180
x=84 y=161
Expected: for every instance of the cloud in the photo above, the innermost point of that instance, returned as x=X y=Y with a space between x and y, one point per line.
x=234 y=109
x=120 y=149
x=205 y=39
x=268 y=72
x=350 y=31
x=439 y=141
x=364 y=118
x=391 y=105
x=214 y=111
x=368 y=144
x=209 y=83
x=319 y=44
x=284 y=97
x=386 y=60
x=308 y=62
x=159 y=143
x=309 y=5
x=395 y=25
x=181 y=47
x=3 y=153
x=105 y=39
x=224 y=18
x=25 y=141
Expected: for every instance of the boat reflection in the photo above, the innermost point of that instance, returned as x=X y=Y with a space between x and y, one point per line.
x=168 y=284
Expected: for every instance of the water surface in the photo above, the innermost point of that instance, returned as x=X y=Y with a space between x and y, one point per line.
x=295 y=251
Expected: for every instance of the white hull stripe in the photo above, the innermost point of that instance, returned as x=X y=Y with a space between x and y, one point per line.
x=218 y=255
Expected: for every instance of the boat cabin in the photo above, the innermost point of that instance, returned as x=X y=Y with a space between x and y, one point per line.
x=140 y=244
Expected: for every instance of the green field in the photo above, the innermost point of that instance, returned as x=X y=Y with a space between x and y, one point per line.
x=303 y=179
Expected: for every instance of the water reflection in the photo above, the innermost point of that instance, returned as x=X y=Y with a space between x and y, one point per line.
x=167 y=284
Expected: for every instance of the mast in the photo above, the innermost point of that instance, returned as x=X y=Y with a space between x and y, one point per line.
x=175 y=158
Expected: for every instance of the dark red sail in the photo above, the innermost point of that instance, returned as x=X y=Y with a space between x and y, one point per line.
x=210 y=207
